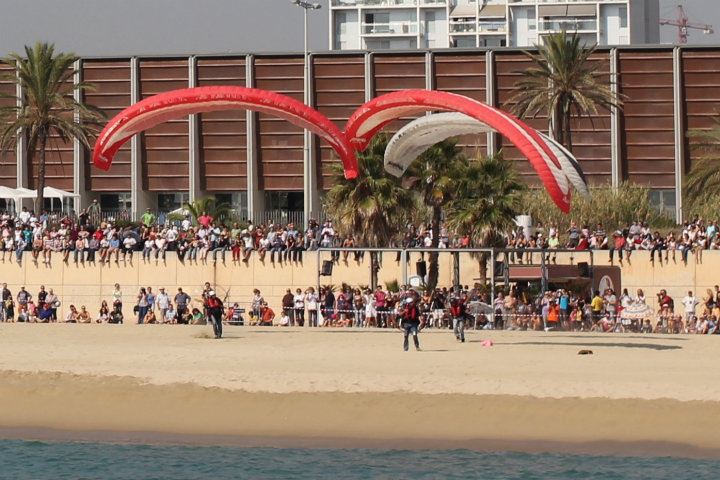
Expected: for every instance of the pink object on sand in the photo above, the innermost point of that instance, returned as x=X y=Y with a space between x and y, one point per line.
x=486 y=343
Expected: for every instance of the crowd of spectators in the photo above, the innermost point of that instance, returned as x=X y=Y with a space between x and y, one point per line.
x=693 y=237
x=91 y=238
x=517 y=309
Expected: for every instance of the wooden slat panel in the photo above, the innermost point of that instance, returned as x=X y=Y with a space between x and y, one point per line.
x=592 y=141
x=223 y=135
x=394 y=72
x=8 y=161
x=701 y=92
x=280 y=145
x=463 y=74
x=165 y=147
x=339 y=89
x=648 y=148
x=111 y=95
x=509 y=67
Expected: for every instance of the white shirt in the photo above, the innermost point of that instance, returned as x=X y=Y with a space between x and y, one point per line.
x=162 y=300
x=690 y=304
x=299 y=300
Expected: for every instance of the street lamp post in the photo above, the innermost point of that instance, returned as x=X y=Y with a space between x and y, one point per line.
x=308 y=169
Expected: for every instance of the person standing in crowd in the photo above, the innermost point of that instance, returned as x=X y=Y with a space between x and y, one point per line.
x=53 y=304
x=690 y=302
x=150 y=299
x=288 y=302
x=182 y=300
x=142 y=305
x=299 y=305
x=163 y=302
x=257 y=303
x=597 y=306
x=311 y=298
x=409 y=323
x=23 y=297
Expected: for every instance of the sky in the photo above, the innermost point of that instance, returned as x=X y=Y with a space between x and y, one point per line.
x=154 y=27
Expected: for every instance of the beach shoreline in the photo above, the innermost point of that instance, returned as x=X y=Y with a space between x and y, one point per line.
x=357 y=389
x=58 y=406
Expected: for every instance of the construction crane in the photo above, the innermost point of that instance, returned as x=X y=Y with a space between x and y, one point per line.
x=683 y=25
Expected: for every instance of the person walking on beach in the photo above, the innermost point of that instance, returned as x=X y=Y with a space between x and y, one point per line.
x=457 y=311
x=410 y=322
x=214 y=309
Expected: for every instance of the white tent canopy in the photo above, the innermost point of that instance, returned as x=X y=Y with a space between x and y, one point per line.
x=18 y=194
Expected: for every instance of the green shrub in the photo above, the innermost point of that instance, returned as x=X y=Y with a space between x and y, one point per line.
x=614 y=208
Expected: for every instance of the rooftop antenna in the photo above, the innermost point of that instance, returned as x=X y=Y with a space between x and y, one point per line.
x=683 y=25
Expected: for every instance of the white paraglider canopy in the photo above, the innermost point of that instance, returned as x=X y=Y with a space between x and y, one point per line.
x=419 y=135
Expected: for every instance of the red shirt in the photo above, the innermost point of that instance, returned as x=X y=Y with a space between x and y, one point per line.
x=205 y=220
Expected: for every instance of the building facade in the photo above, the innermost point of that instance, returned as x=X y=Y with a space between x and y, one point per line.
x=409 y=24
x=256 y=160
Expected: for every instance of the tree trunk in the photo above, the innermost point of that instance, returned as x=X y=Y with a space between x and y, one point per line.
x=40 y=199
x=433 y=270
x=568 y=131
x=482 y=264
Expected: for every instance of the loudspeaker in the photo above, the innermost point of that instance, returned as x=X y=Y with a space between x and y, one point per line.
x=499 y=269
x=584 y=268
x=326 y=269
x=421 y=268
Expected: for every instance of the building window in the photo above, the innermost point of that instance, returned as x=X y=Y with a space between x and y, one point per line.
x=171 y=201
x=115 y=201
x=623 y=16
x=663 y=201
x=288 y=201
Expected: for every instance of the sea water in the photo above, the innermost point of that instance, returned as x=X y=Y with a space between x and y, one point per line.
x=55 y=460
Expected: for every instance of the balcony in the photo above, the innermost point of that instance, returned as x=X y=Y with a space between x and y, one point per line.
x=570 y=25
x=463 y=27
x=390 y=29
x=492 y=27
x=388 y=3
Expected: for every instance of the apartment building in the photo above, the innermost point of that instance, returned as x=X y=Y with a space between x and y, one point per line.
x=410 y=24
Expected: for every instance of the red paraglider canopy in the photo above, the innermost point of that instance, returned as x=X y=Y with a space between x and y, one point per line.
x=375 y=114
x=180 y=103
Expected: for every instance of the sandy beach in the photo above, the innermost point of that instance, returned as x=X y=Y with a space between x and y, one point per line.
x=530 y=391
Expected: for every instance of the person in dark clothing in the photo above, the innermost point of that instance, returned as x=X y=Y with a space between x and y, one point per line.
x=410 y=322
x=288 y=305
x=458 y=313
x=214 y=308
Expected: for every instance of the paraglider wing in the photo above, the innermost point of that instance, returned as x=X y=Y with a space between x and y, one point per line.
x=419 y=135
x=570 y=165
x=375 y=114
x=180 y=103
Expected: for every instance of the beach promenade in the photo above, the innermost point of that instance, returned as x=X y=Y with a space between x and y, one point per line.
x=531 y=391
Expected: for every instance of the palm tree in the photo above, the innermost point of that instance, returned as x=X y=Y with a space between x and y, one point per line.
x=489 y=197
x=374 y=205
x=704 y=176
x=220 y=211
x=435 y=175
x=562 y=83
x=48 y=108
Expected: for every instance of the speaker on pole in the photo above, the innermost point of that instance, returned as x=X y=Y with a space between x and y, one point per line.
x=584 y=268
x=327 y=267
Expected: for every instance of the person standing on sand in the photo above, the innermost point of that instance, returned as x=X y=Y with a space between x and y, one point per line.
x=214 y=308
x=410 y=322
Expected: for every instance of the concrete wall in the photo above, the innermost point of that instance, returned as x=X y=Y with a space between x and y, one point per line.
x=90 y=284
